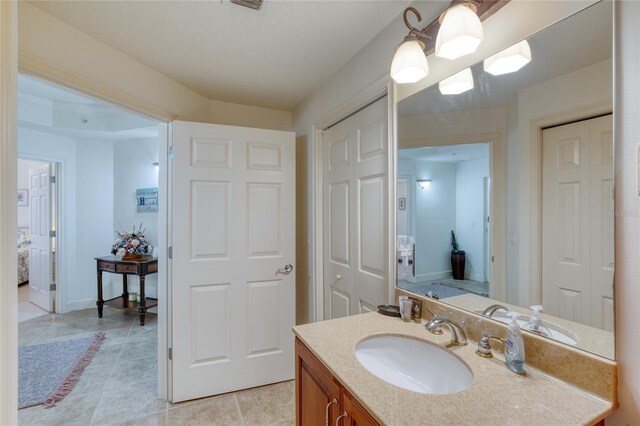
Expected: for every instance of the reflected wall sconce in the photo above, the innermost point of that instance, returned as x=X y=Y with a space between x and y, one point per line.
x=456 y=33
x=509 y=60
x=424 y=183
x=457 y=83
x=156 y=165
x=409 y=62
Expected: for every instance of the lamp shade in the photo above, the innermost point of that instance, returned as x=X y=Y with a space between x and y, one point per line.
x=457 y=83
x=409 y=63
x=509 y=60
x=460 y=32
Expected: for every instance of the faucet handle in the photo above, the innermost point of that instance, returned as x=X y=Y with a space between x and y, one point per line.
x=484 y=346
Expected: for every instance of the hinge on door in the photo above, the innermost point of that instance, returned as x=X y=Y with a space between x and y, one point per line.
x=170 y=252
x=171 y=354
x=171 y=152
x=52 y=234
x=52 y=287
x=52 y=179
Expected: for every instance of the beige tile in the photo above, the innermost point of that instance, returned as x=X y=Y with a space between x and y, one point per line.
x=127 y=402
x=133 y=370
x=154 y=419
x=267 y=405
x=218 y=410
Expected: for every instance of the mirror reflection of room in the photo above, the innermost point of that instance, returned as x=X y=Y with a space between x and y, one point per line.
x=535 y=222
x=443 y=220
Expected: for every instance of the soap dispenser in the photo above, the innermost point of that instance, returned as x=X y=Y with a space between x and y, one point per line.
x=514 y=345
x=535 y=323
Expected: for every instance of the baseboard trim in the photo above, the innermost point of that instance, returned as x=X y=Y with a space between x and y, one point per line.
x=475 y=277
x=77 y=305
x=431 y=276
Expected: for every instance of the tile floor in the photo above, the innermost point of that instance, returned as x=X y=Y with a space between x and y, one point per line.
x=119 y=387
x=26 y=309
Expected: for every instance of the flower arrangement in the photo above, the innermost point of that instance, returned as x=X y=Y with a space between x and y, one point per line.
x=131 y=244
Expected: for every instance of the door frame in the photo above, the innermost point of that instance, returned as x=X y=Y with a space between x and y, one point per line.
x=497 y=202
x=381 y=87
x=61 y=226
x=41 y=69
x=533 y=292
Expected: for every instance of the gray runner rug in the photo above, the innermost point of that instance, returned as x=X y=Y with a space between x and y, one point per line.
x=48 y=372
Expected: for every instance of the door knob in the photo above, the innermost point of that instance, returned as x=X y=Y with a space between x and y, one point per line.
x=287 y=269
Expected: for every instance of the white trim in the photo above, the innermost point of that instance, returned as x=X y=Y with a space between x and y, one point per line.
x=164 y=265
x=8 y=213
x=381 y=87
x=498 y=167
x=534 y=280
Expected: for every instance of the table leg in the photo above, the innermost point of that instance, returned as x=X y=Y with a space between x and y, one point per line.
x=100 y=302
x=125 y=291
x=142 y=310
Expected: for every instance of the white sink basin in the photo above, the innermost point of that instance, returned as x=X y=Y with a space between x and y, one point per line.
x=414 y=365
x=556 y=334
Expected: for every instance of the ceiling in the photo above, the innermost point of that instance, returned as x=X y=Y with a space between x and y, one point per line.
x=584 y=39
x=274 y=58
x=46 y=107
x=446 y=154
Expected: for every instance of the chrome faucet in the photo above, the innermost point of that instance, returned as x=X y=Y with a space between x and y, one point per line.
x=492 y=310
x=458 y=338
x=484 y=347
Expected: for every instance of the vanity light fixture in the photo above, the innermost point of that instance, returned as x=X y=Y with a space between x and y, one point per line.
x=156 y=165
x=424 y=183
x=460 y=31
x=409 y=62
x=509 y=60
x=457 y=83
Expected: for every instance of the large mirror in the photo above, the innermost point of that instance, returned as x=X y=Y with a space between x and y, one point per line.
x=505 y=185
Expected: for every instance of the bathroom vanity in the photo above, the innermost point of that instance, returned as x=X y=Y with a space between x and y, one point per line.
x=333 y=387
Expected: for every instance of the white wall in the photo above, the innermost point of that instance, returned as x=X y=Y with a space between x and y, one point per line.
x=51 y=42
x=433 y=216
x=470 y=214
x=86 y=209
x=23 y=183
x=94 y=221
x=133 y=169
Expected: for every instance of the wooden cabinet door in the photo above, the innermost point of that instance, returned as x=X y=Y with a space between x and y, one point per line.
x=357 y=415
x=316 y=389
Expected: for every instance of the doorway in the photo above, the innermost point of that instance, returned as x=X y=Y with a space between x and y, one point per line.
x=103 y=161
x=36 y=246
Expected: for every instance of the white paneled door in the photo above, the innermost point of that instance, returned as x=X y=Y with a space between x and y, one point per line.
x=232 y=234
x=40 y=278
x=577 y=222
x=355 y=213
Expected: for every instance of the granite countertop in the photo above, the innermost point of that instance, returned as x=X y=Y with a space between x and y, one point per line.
x=497 y=395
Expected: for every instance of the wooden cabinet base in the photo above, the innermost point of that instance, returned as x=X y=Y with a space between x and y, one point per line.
x=321 y=399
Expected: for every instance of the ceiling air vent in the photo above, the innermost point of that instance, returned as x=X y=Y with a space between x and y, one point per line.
x=252 y=4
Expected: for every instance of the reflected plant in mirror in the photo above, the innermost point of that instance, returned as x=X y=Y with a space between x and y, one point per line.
x=514 y=156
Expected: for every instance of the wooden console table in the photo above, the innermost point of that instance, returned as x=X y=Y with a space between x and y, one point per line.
x=141 y=267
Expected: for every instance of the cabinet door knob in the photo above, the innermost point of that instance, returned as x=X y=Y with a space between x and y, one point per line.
x=342 y=416
x=326 y=411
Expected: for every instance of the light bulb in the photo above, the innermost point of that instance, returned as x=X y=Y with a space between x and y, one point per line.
x=460 y=32
x=409 y=62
